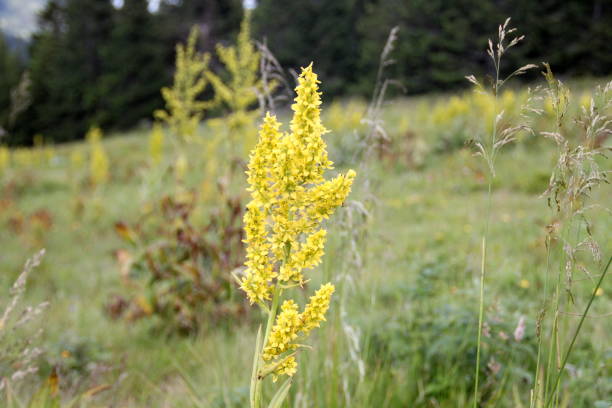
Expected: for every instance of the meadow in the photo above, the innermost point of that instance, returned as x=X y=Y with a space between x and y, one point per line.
x=404 y=251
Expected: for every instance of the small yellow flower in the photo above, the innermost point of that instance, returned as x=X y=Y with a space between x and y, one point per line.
x=524 y=283
x=599 y=292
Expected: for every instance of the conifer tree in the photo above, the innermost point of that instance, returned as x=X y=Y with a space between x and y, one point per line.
x=66 y=67
x=217 y=20
x=10 y=67
x=301 y=30
x=134 y=69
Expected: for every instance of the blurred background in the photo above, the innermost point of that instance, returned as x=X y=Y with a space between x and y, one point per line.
x=125 y=132
x=78 y=55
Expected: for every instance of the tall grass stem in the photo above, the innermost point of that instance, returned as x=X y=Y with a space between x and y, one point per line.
x=576 y=332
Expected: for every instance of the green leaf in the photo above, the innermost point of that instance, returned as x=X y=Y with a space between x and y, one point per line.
x=45 y=397
x=280 y=395
x=255 y=367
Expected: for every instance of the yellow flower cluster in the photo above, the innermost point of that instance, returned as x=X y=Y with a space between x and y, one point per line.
x=284 y=332
x=290 y=200
x=239 y=92
x=184 y=110
x=446 y=112
x=314 y=313
x=307 y=256
x=345 y=117
x=585 y=100
x=98 y=160
x=156 y=144
x=463 y=107
x=285 y=174
x=257 y=281
x=5 y=157
x=181 y=166
x=287 y=367
x=290 y=324
x=23 y=157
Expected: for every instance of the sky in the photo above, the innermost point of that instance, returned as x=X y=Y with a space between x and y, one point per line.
x=18 y=17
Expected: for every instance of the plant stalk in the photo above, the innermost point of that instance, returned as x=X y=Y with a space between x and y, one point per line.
x=576 y=332
x=269 y=324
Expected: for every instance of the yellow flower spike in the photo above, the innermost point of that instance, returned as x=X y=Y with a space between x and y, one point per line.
x=284 y=332
x=238 y=90
x=98 y=160
x=314 y=313
x=261 y=159
x=259 y=273
x=180 y=168
x=5 y=157
x=156 y=144
x=284 y=236
x=287 y=367
x=585 y=100
x=307 y=256
x=184 y=109
x=307 y=129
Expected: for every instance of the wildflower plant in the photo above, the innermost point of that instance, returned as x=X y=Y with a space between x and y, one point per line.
x=5 y=158
x=184 y=110
x=156 y=144
x=98 y=160
x=177 y=268
x=284 y=235
x=239 y=92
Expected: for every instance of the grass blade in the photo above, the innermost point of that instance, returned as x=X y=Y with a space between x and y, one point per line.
x=280 y=395
x=255 y=367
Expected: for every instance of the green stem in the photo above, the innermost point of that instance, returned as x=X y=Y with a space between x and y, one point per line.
x=537 y=385
x=269 y=324
x=554 y=342
x=480 y=319
x=491 y=163
x=582 y=319
x=551 y=351
x=272 y=314
x=482 y=286
x=271 y=317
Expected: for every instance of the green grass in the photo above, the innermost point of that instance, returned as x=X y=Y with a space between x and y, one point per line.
x=415 y=307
